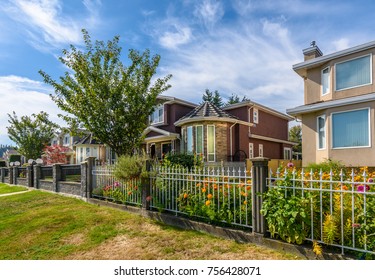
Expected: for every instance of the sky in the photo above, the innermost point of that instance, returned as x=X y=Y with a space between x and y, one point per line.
x=243 y=47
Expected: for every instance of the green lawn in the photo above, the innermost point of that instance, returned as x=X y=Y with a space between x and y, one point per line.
x=5 y=188
x=41 y=225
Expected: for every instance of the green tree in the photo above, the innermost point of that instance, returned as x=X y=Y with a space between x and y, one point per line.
x=234 y=98
x=31 y=134
x=295 y=135
x=102 y=95
x=213 y=97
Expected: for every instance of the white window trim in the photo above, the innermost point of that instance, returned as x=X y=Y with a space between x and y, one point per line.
x=192 y=139
x=329 y=80
x=369 y=129
x=370 y=55
x=261 y=150
x=196 y=139
x=325 y=132
x=214 y=144
x=289 y=153
x=256 y=120
x=157 y=110
x=251 y=150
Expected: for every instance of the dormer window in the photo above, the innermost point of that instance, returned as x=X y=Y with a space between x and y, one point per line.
x=66 y=139
x=158 y=115
x=325 y=81
x=353 y=73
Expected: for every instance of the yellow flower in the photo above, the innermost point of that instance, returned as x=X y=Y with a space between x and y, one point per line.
x=208 y=202
x=209 y=196
x=203 y=190
x=245 y=202
x=185 y=195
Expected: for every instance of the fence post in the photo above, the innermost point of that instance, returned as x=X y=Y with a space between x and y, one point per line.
x=87 y=186
x=2 y=174
x=29 y=176
x=259 y=187
x=56 y=173
x=37 y=175
x=146 y=187
x=15 y=174
x=11 y=175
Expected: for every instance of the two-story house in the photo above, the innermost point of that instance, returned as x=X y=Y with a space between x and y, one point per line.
x=339 y=103
x=66 y=140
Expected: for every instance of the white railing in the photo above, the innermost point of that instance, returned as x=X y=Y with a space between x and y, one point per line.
x=219 y=195
x=341 y=205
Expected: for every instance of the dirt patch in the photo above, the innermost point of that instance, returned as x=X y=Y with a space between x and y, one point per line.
x=75 y=239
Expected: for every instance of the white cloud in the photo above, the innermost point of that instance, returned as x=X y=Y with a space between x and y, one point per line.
x=341 y=44
x=25 y=97
x=210 y=12
x=46 y=24
x=172 y=40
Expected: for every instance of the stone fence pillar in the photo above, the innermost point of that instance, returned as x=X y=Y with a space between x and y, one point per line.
x=11 y=170
x=259 y=187
x=29 y=176
x=37 y=175
x=56 y=173
x=2 y=174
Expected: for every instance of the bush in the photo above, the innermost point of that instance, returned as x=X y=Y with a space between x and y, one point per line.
x=3 y=163
x=131 y=167
x=182 y=160
x=327 y=165
x=14 y=158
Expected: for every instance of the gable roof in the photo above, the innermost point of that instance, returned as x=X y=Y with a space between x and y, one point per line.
x=174 y=100
x=88 y=140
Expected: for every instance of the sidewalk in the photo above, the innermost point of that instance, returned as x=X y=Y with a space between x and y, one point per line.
x=13 y=193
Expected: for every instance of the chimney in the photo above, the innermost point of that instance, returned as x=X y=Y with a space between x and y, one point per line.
x=312 y=52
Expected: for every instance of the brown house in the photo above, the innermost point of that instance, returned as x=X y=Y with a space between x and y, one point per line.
x=339 y=105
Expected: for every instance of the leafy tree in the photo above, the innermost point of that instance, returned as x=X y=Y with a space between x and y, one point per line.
x=234 y=98
x=105 y=97
x=55 y=154
x=295 y=135
x=31 y=134
x=213 y=97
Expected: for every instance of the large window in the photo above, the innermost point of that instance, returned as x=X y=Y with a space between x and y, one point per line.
x=351 y=129
x=210 y=143
x=199 y=139
x=158 y=115
x=325 y=81
x=321 y=128
x=189 y=142
x=353 y=73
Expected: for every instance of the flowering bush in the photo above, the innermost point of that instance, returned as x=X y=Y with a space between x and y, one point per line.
x=123 y=192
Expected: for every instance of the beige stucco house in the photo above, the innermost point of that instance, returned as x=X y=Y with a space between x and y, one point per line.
x=339 y=104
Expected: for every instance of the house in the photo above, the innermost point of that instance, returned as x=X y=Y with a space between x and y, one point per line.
x=64 y=139
x=162 y=136
x=235 y=132
x=88 y=146
x=339 y=105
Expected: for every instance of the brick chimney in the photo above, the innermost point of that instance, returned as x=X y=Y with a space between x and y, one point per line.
x=312 y=52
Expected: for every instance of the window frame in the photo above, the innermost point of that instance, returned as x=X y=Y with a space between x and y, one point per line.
x=318 y=132
x=322 y=80
x=348 y=60
x=214 y=144
x=251 y=150
x=368 y=127
x=289 y=152
x=260 y=150
x=157 y=109
x=196 y=140
x=255 y=115
x=189 y=151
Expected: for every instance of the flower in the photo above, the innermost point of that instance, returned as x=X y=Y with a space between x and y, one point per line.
x=370 y=180
x=356 y=225
x=116 y=184
x=148 y=198
x=185 y=195
x=209 y=196
x=290 y=165
x=203 y=190
x=361 y=188
x=129 y=193
x=245 y=202
x=208 y=202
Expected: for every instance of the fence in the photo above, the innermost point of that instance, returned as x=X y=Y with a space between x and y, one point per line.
x=71 y=173
x=336 y=208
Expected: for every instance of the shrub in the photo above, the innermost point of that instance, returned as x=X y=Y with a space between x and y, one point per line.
x=14 y=158
x=183 y=160
x=131 y=167
x=3 y=163
x=327 y=165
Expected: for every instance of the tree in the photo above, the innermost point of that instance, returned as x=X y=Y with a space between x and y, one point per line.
x=31 y=134
x=295 y=135
x=213 y=97
x=234 y=98
x=105 y=97
x=54 y=154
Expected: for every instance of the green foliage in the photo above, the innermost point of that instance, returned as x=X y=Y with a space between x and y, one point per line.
x=105 y=97
x=14 y=158
x=131 y=167
x=295 y=135
x=286 y=216
x=183 y=160
x=326 y=166
x=3 y=163
x=213 y=97
x=234 y=98
x=31 y=134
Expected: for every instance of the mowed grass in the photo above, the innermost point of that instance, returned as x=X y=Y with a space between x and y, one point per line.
x=41 y=225
x=5 y=188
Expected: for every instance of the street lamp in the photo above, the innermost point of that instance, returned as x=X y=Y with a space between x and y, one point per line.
x=30 y=161
x=39 y=161
x=11 y=164
x=17 y=163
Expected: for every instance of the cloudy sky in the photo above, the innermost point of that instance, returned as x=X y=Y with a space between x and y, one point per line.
x=246 y=47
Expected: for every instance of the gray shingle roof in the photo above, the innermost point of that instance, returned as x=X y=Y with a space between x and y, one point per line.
x=207 y=109
x=87 y=140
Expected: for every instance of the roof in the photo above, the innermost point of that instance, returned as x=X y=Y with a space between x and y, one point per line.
x=330 y=104
x=173 y=100
x=206 y=112
x=262 y=107
x=300 y=68
x=88 y=140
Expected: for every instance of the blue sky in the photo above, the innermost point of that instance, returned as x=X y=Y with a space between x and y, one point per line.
x=246 y=47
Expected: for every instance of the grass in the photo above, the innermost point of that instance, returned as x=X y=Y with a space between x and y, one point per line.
x=41 y=225
x=5 y=188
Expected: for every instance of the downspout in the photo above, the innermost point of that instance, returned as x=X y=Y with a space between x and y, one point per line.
x=231 y=140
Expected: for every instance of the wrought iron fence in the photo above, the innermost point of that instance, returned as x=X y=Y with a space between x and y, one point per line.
x=106 y=186
x=340 y=206
x=221 y=195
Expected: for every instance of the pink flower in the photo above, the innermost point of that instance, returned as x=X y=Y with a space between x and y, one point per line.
x=356 y=225
x=148 y=198
x=290 y=164
x=116 y=184
x=370 y=180
x=361 y=188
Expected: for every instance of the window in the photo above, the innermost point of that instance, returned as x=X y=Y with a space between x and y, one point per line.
x=351 y=129
x=353 y=73
x=158 y=115
x=260 y=150
x=255 y=115
x=325 y=81
x=321 y=128
x=287 y=153
x=87 y=152
x=189 y=142
x=210 y=143
x=251 y=150
x=66 y=140
x=199 y=139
